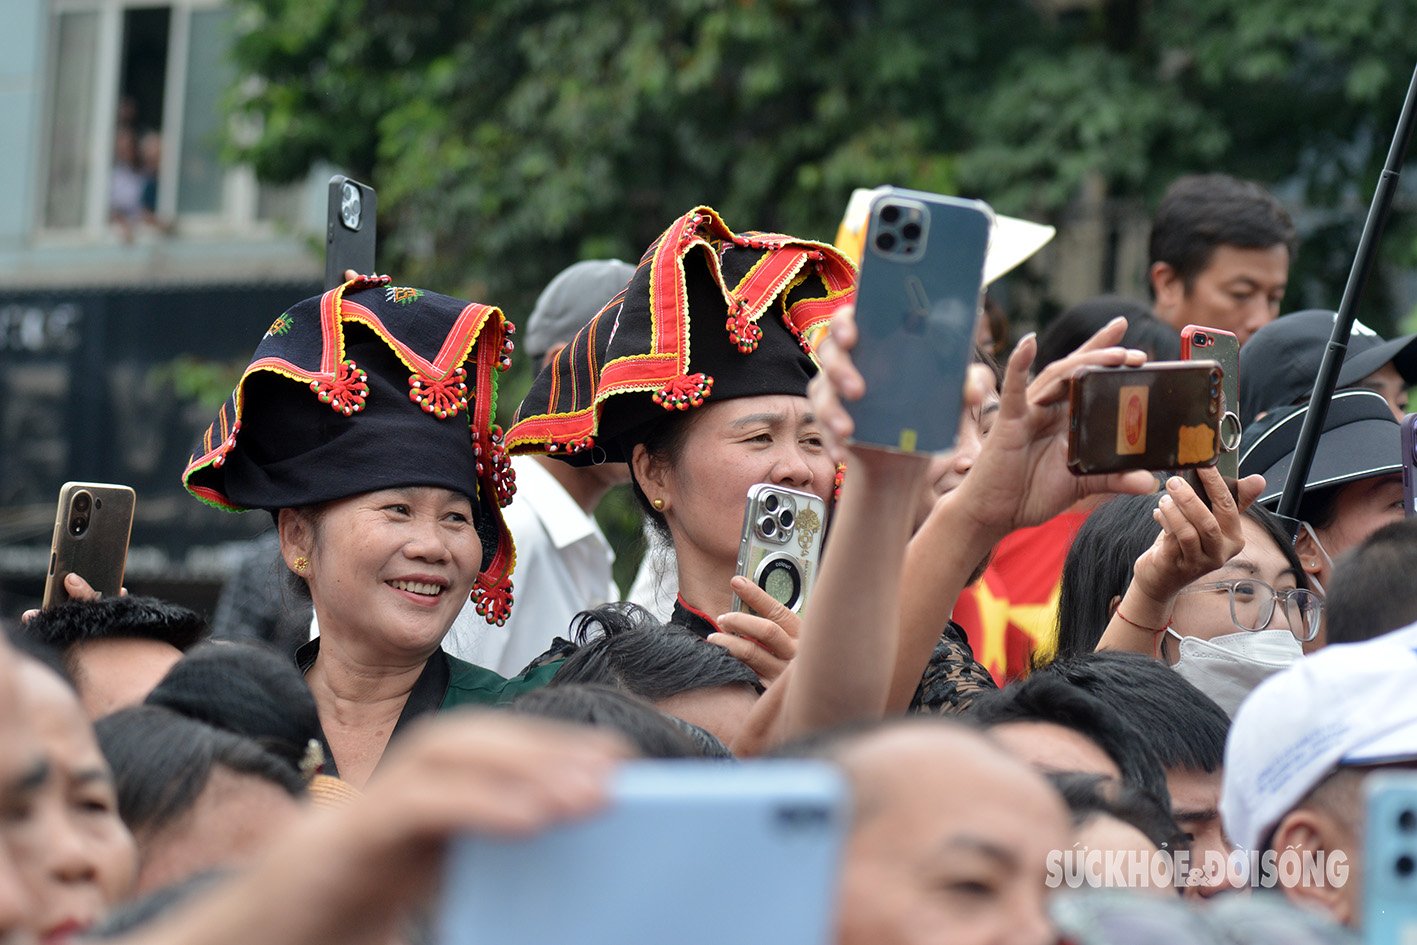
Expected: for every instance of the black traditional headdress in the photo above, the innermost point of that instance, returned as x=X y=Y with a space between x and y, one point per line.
x=708 y=315
x=370 y=386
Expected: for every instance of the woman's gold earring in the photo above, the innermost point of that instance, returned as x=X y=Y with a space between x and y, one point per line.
x=658 y=505
x=301 y=564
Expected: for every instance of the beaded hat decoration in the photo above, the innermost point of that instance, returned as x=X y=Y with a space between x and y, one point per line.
x=709 y=315
x=370 y=386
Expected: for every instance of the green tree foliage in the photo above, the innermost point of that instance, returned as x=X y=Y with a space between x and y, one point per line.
x=509 y=137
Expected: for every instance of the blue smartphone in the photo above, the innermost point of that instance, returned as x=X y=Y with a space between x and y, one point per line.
x=1390 y=859
x=918 y=298
x=644 y=870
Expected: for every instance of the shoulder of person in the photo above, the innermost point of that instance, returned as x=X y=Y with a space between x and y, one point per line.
x=476 y=685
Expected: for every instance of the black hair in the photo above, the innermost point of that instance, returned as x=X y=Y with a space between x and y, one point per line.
x=1371 y=592
x=663 y=440
x=634 y=652
x=115 y=618
x=1051 y=698
x=1201 y=212
x=643 y=726
x=247 y=690
x=1067 y=332
x=1103 y=553
x=162 y=761
x=1184 y=726
x=1089 y=796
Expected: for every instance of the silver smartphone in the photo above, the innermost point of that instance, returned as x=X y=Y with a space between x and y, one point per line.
x=638 y=872
x=92 y=526
x=781 y=546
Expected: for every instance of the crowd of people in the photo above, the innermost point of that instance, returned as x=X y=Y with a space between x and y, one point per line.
x=1012 y=666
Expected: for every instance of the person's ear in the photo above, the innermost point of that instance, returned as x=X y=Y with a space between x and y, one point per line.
x=297 y=538
x=1306 y=832
x=1113 y=604
x=1166 y=285
x=1312 y=556
x=652 y=475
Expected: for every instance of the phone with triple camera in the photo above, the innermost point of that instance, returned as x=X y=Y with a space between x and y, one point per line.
x=1163 y=415
x=350 y=215
x=1409 y=465
x=770 y=825
x=781 y=544
x=918 y=298
x=1199 y=343
x=1389 y=859
x=92 y=526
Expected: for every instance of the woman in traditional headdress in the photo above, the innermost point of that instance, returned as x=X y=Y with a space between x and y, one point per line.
x=364 y=424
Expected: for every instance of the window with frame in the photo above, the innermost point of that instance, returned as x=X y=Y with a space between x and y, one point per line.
x=135 y=125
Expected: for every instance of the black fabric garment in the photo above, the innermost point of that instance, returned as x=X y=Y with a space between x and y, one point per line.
x=426 y=696
x=691 y=619
x=953 y=679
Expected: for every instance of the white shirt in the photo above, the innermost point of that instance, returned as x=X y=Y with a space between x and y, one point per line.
x=656 y=584
x=563 y=567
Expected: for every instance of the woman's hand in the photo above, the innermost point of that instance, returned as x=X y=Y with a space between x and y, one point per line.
x=1021 y=477
x=1194 y=540
x=839 y=381
x=77 y=589
x=766 y=640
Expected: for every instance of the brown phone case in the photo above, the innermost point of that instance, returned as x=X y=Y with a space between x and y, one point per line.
x=1163 y=415
x=92 y=526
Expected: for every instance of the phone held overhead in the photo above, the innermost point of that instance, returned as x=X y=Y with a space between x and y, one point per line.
x=351 y=213
x=92 y=526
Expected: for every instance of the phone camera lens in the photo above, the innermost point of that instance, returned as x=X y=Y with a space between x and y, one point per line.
x=767 y=526
x=785 y=518
x=78 y=525
x=1201 y=338
x=81 y=502
x=911 y=231
x=885 y=242
x=1407 y=821
x=1404 y=865
x=771 y=502
x=890 y=213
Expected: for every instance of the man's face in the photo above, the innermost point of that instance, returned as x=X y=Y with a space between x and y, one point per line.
x=1195 y=805
x=950 y=843
x=1386 y=381
x=1238 y=291
x=1054 y=749
x=118 y=673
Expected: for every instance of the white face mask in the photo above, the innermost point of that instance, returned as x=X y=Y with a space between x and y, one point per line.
x=1228 y=667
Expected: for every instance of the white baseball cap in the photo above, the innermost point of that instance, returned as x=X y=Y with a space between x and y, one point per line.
x=1348 y=704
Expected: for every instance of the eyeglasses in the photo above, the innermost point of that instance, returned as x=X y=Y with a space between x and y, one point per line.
x=1252 y=605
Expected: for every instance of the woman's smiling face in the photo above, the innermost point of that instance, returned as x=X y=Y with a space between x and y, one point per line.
x=388 y=570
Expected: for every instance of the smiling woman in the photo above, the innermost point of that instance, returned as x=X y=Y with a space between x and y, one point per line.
x=387 y=480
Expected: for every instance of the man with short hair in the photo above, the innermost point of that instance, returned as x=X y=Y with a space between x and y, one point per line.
x=1182 y=725
x=1220 y=254
x=1301 y=747
x=1058 y=727
x=118 y=648
x=1279 y=366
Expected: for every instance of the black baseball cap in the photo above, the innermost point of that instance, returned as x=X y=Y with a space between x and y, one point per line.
x=1360 y=440
x=1280 y=362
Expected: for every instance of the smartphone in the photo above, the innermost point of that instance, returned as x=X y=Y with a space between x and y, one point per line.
x=1409 y=465
x=638 y=872
x=781 y=545
x=92 y=526
x=350 y=215
x=918 y=297
x=1199 y=343
x=1163 y=415
x=1390 y=859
